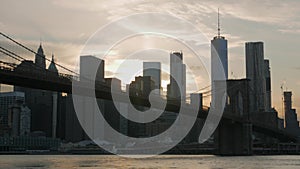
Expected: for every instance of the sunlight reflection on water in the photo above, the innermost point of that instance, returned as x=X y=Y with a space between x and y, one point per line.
x=158 y=162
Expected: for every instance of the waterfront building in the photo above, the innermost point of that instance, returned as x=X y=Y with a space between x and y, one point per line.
x=153 y=69
x=7 y=99
x=19 y=116
x=291 y=122
x=255 y=72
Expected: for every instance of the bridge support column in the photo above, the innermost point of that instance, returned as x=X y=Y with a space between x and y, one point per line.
x=233 y=138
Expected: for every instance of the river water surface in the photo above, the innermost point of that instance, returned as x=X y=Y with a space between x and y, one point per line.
x=157 y=162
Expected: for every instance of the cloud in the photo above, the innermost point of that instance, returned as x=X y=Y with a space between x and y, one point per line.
x=296 y=68
x=65 y=53
x=290 y=31
x=94 y=5
x=265 y=11
x=109 y=73
x=64 y=26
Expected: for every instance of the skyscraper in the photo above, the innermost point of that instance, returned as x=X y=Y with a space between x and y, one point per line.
x=153 y=69
x=52 y=68
x=291 y=123
x=268 y=85
x=141 y=86
x=86 y=71
x=177 y=86
x=219 y=61
x=255 y=72
x=219 y=53
x=40 y=58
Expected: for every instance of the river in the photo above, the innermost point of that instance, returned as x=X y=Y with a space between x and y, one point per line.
x=156 y=162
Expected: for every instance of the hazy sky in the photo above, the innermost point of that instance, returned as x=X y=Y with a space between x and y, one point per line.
x=64 y=27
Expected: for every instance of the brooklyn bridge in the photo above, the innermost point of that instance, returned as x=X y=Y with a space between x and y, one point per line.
x=232 y=137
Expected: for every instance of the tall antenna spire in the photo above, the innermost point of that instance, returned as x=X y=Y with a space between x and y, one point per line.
x=219 y=23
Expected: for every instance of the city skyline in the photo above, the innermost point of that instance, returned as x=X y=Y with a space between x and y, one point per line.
x=239 y=103
x=239 y=25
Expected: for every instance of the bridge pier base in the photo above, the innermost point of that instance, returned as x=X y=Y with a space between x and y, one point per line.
x=233 y=139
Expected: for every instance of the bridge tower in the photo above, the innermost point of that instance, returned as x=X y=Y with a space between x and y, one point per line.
x=234 y=137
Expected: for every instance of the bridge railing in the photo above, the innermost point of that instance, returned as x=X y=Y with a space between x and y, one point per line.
x=7 y=66
x=68 y=76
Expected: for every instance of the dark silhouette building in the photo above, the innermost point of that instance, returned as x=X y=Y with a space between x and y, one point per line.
x=255 y=72
x=52 y=67
x=43 y=104
x=177 y=87
x=72 y=129
x=153 y=69
x=139 y=90
x=19 y=119
x=268 y=85
x=40 y=58
x=291 y=122
x=7 y=102
x=141 y=86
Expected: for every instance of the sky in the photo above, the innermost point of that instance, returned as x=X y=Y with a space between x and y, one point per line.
x=64 y=27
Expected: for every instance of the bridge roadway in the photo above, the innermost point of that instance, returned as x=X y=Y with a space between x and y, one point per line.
x=47 y=80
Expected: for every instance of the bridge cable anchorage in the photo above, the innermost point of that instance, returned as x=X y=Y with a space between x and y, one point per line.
x=30 y=50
